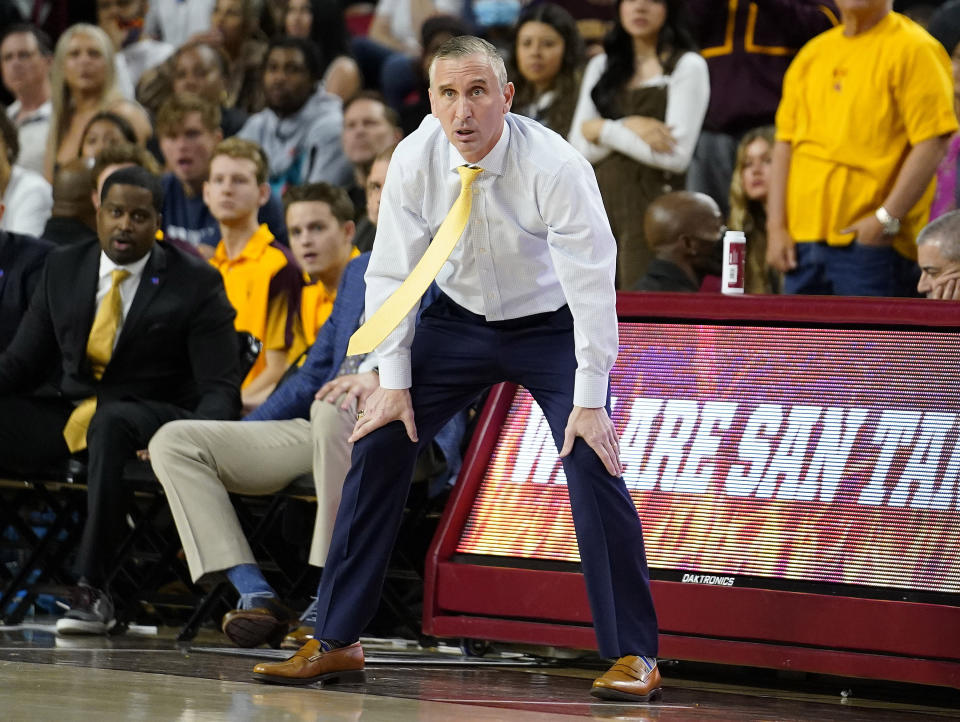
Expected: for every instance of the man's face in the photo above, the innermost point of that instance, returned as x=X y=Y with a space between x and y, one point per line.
x=286 y=81
x=318 y=240
x=21 y=63
x=127 y=223
x=374 y=188
x=366 y=131
x=466 y=97
x=231 y=192
x=122 y=12
x=933 y=264
x=187 y=149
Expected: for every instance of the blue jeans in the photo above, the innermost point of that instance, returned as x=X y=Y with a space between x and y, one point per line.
x=852 y=270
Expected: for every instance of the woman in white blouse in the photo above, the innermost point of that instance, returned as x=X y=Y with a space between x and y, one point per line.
x=639 y=114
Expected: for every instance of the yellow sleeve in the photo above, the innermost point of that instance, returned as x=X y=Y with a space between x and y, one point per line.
x=276 y=334
x=786 y=122
x=924 y=92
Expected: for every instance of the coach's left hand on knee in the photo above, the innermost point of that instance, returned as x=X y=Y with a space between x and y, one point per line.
x=596 y=428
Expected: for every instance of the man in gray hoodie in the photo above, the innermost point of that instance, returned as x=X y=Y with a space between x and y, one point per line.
x=300 y=128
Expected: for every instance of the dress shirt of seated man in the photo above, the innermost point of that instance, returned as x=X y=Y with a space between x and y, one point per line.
x=188 y=127
x=299 y=130
x=25 y=57
x=528 y=297
x=26 y=195
x=143 y=334
x=320 y=218
x=938 y=255
x=262 y=278
x=370 y=126
x=685 y=232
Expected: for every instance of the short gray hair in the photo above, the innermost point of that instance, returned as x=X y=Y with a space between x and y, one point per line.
x=945 y=231
x=462 y=46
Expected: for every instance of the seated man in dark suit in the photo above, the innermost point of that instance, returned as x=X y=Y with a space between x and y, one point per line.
x=21 y=261
x=144 y=334
x=685 y=231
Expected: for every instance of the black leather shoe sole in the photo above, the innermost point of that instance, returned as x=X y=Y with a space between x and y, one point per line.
x=346 y=677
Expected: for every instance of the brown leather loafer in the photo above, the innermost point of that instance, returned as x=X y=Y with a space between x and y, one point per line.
x=297 y=638
x=630 y=679
x=311 y=664
x=253 y=627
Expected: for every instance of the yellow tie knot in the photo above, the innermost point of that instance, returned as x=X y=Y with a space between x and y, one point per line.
x=118 y=276
x=468 y=175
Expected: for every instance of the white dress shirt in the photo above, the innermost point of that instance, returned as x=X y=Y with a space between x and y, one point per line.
x=128 y=287
x=688 y=94
x=32 y=130
x=28 y=199
x=537 y=238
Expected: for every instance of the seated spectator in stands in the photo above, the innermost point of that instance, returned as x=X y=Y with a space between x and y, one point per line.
x=189 y=129
x=436 y=30
x=849 y=190
x=685 y=232
x=234 y=29
x=174 y=21
x=938 y=255
x=638 y=117
x=143 y=334
x=367 y=226
x=547 y=59
x=747 y=46
x=320 y=218
x=945 y=27
x=21 y=263
x=26 y=195
x=122 y=21
x=25 y=58
x=83 y=82
x=201 y=69
x=322 y=22
x=262 y=279
x=370 y=126
x=105 y=129
x=300 y=128
x=388 y=55
x=748 y=207
x=73 y=218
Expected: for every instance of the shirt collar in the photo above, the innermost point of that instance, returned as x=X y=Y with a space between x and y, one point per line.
x=494 y=162
x=255 y=247
x=135 y=268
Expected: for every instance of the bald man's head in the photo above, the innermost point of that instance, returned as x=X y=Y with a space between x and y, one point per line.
x=71 y=191
x=685 y=228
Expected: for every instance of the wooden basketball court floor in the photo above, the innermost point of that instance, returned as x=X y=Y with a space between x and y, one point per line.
x=140 y=676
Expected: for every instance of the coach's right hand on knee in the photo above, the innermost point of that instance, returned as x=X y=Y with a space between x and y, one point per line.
x=382 y=407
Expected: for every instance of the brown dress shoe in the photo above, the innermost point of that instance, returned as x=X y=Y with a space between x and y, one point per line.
x=297 y=638
x=253 y=627
x=630 y=679
x=311 y=664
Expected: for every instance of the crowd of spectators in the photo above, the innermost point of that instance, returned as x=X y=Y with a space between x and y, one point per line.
x=260 y=135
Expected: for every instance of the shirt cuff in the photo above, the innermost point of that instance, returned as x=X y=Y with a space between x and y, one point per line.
x=590 y=390
x=371 y=362
x=395 y=371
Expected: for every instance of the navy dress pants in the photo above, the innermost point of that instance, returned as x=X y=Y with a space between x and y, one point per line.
x=455 y=355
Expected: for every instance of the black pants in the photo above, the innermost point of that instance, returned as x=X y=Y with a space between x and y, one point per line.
x=31 y=439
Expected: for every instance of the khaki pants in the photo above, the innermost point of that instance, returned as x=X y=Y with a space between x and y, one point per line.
x=199 y=462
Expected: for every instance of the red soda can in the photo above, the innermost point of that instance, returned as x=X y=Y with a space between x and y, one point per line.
x=734 y=261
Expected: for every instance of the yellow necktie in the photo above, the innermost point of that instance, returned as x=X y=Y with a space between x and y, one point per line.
x=394 y=309
x=103 y=333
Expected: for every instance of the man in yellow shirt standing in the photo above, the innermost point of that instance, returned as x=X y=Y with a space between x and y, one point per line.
x=262 y=279
x=865 y=118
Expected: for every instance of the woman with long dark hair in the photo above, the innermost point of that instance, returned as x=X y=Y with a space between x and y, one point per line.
x=322 y=22
x=546 y=65
x=638 y=117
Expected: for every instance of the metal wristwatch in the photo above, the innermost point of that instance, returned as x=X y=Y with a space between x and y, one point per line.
x=891 y=225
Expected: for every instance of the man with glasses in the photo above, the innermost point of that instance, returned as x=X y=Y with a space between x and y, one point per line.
x=25 y=55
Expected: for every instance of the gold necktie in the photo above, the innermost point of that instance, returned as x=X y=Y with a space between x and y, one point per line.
x=386 y=318
x=103 y=333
